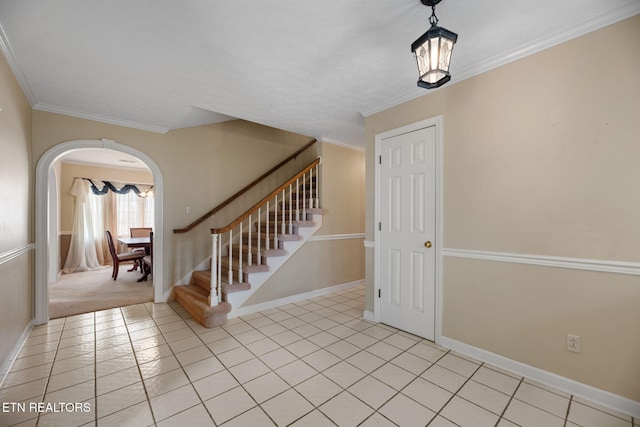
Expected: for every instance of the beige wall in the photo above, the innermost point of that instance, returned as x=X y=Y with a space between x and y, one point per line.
x=201 y=166
x=322 y=263
x=541 y=157
x=16 y=219
x=342 y=189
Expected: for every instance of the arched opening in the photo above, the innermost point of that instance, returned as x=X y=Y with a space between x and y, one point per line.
x=46 y=219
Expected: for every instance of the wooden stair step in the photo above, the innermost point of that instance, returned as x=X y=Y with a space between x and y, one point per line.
x=296 y=224
x=246 y=268
x=299 y=195
x=264 y=253
x=262 y=239
x=293 y=213
x=196 y=301
x=272 y=236
x=202 y=279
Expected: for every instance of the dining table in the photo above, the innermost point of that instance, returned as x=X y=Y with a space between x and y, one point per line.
x=136 y=242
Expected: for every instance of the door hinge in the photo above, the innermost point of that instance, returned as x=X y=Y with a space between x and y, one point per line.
x=379 y=293
x=380 y=159
x=380 y=226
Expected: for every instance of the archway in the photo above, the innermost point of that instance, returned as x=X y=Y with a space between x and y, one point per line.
x=46 y=192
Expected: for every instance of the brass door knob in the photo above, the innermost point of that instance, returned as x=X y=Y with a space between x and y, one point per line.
x=428 y=244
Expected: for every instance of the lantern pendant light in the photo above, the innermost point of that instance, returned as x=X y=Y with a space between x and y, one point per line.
x=433 y=52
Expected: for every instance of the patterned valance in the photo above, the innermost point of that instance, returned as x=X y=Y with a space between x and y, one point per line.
x=141 y=190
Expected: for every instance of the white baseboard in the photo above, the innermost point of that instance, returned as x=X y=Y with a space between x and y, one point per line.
x=601 y=397
x=13 y=354
x=369 y=315
x=242 y=311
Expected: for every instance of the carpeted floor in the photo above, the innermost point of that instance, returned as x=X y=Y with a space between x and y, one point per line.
x=95 y=290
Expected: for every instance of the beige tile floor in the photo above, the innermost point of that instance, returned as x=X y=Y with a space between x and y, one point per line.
x=312 y=363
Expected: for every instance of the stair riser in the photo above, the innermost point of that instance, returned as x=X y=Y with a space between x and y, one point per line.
x=245 y=258
x=296 y=204
x=263 y=242
x=287 y=228
x=273 y=216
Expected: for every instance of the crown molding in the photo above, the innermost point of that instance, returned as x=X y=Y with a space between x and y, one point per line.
x=342 y=144
x=98 y=118
x=609 y=18
x=7 y=50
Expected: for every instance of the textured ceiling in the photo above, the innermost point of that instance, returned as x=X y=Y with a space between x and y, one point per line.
x=312 y=67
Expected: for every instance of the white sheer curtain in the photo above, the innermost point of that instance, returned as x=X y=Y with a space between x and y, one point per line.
x=132 y=211
x=82 y=254
x=96 y=213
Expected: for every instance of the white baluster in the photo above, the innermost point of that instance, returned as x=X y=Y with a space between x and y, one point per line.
x=304 y=196
x=290 y=211
x=240 y=255
x=259 y=255
x=317 y=198
x=213 y=291
x=284 y=231
x=266 y=246
x=297 y=199
x=230 y=257
x=219 y=269
x=249 y=255
x=275 y=225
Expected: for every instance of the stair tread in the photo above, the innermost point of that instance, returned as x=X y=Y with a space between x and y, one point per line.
x=204 y=276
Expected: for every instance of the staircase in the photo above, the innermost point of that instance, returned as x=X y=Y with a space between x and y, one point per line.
x=251 y=248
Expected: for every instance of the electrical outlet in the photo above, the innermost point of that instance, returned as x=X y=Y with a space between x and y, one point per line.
x=188 y=209
x=573 y=343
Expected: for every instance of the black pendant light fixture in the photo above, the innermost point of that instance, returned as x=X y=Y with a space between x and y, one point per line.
x=433 y=52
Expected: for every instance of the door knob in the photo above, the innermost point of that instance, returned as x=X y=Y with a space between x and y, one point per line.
x=428 y=244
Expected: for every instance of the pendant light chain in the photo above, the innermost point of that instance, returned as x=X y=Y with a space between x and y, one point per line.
x=433 y=19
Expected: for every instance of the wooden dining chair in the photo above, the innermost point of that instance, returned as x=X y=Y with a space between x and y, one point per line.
x=139 y=232
x=118 y=258
x=147 y=261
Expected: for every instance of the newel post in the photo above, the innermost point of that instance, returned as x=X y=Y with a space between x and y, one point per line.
x=213 y=292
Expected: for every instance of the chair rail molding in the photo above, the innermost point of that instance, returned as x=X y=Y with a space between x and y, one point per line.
x=337 y=237
x=605 y=266
x=16 y=252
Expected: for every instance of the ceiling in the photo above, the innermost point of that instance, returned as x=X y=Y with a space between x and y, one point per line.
x=311 y=67
x=102 y=157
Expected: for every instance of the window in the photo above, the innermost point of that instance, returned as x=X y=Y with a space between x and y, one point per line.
x=133 y=211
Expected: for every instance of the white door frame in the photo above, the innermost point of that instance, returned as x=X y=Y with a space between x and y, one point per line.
x=437 y=122
x=47 y=191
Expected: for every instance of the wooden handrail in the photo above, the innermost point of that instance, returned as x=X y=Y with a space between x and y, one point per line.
x=255 y=207
x=244 y=190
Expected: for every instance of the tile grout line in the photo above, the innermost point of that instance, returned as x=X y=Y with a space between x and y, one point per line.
x=297 y=359
x=202 y=402
x=457 y=391
x=566 y=416
x=189 y=325
x=173 y=353
x=509 y=402
x=55 y=356
x=135 y=355
x=286 y=364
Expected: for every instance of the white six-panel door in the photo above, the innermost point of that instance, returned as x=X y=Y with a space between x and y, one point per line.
x=407 y=231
